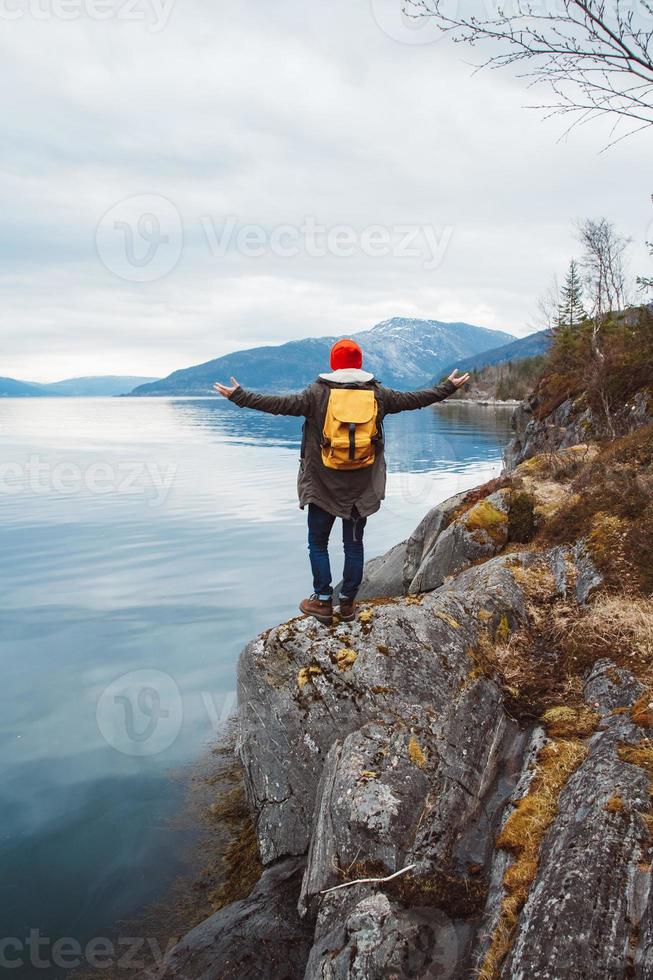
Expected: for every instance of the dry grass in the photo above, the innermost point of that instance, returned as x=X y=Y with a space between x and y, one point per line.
x=563 y=721
x=611 y=503
x=617 y=627
x=560 y=464
x=522 y=835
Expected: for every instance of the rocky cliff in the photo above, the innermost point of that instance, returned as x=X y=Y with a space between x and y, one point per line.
x=458 y=784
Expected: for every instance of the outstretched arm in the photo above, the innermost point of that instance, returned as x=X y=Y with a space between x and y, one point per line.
x=402 y=401
x=297 y=404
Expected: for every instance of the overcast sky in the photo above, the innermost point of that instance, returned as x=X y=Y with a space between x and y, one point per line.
x=181 y=178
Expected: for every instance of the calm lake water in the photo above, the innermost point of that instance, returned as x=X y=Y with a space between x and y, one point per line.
x=142 y=543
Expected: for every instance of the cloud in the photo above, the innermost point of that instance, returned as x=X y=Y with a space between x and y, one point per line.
x=263 y=115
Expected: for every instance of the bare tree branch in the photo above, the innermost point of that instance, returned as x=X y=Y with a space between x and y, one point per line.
x=596 y=56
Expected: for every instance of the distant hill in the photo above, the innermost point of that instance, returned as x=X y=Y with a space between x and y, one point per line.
x=402 y=352
x=517 y=350
x=10 y=388
x=72 y=387
x=102 y=385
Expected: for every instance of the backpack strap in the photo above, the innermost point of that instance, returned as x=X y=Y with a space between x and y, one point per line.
x=352 y=440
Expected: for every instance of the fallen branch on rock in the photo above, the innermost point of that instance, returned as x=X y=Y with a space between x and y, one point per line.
x=366 y=881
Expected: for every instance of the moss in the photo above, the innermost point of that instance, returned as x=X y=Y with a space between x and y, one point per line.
x=307 y=674
x=638 y=755
x=416 y=753
x=365 y=615
x=446 y=618
x=522 y=835
x=473 y=497
x=502 y=631
x=346 y=658
x=484 y=516
x=241 y=862
x=614 y=805
x=642 y=710
x=562 y=721
x=382 y=648
x=521 y=517
x=605 y=536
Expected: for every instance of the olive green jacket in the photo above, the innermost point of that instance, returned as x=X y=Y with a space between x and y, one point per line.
x=339 y=491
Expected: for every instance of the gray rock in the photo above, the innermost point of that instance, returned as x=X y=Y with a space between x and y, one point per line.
x=423 y=538
x=391 y=574
x=368 y=936
x=593 y=879
x=383 y=576
x=588 y=577
x=260 y=937
x=301 y=687
x=570 y=424
x=462 y=543
x=589 y=850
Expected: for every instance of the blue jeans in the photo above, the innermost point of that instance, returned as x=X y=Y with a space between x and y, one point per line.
x=319 y=528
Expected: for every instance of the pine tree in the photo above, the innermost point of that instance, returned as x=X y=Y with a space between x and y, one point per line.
x=646 y=282
x=570 y=309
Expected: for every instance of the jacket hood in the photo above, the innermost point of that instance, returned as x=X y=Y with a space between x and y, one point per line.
x=348 y=376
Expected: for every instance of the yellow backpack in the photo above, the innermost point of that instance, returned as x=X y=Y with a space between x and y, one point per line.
x=349 y=433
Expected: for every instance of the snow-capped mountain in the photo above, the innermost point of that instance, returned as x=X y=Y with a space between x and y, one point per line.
x=402 y=352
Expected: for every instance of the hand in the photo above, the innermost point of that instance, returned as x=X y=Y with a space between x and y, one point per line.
x=459 y=381
x=226 y=390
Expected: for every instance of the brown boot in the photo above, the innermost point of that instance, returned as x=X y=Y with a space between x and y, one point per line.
x=322 y=609
x=347 y=610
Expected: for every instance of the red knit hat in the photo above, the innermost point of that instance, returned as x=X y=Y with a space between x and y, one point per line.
x=346 y=354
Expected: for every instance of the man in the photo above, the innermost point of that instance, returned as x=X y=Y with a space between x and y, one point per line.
x=342 y=465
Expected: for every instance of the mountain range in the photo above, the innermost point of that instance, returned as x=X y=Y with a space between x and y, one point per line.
x=71 y=387
x=517 y=350
x=402 y=352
